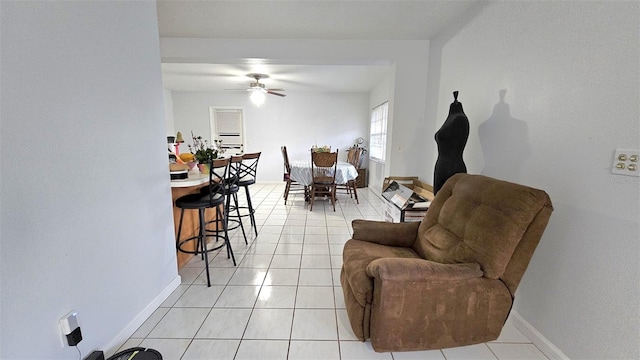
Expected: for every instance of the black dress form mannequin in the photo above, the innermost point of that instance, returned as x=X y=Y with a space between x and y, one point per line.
x=451 y=139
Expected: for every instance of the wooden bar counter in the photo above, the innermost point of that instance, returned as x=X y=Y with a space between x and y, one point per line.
x=190 y=226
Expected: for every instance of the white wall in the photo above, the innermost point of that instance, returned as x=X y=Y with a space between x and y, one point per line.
x=297 y=121
x=381 y=93
x=86 y=209
x=570 y=71
x=409 y=150
x=168 y=112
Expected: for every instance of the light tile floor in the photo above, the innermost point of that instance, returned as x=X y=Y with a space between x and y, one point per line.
x=283 y=300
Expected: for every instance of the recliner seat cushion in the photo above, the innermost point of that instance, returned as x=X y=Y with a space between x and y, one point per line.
x=357 y=255
x=357 y=285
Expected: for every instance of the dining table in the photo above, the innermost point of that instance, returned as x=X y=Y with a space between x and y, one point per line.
x=301 y=172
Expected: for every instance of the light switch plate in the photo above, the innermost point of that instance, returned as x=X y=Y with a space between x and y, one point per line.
x=626 y=162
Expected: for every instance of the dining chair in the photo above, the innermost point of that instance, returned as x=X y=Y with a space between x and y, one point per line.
x=353 y=158
x=323 y=171
x=291 y=185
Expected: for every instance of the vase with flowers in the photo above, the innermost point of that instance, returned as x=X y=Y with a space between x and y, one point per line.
x=203 y=152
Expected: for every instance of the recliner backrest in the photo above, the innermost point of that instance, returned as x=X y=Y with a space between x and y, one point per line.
x=494 y=223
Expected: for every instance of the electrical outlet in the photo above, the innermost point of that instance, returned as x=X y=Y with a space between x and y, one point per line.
x=70 y=329
x=626 y=162
x=69 y=322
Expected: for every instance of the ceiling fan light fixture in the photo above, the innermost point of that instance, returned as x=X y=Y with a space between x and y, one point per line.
x=257 y=97
x=258 y=90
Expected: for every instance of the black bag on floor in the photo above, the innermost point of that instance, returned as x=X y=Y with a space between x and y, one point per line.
x=137 y=353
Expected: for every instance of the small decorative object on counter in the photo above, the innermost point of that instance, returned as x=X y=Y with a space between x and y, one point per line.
x=178 y=171
x=204 y=168
x=189 y=159
x=179 y=140
x=203 y=152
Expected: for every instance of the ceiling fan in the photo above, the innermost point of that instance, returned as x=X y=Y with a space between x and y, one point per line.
x=257 y=86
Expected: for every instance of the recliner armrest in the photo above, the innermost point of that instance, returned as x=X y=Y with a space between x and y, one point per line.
x=420 y=270
x=385 y=233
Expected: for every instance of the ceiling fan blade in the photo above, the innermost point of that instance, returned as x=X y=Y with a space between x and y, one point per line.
x=275 y=93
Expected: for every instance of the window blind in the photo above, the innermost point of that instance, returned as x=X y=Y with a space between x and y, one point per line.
x=378 y=132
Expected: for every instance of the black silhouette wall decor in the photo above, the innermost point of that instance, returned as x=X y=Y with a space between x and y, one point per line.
x=451 y=139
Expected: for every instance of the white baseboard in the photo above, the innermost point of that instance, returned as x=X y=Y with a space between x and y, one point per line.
x=541 y=342
x=126 y=333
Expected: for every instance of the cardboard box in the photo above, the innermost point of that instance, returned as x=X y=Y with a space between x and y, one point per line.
x=412 y=182
x=405 y=199
x=390 y=212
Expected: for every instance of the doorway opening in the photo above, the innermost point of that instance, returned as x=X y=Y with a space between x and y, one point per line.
x=227 y=124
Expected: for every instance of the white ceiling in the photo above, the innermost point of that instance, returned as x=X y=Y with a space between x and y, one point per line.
x=300 y=78
x=296 y=19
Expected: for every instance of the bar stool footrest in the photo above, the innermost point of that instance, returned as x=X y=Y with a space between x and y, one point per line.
x=197 y=252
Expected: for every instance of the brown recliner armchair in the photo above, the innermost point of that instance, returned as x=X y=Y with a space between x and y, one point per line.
x=450 y=279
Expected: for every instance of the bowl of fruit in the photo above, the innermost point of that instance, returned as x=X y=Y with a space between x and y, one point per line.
x=189 y=159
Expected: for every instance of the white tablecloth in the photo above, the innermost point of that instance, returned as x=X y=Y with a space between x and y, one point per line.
x=301 y=172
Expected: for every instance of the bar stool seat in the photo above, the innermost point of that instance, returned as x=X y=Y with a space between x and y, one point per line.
x=198 y=201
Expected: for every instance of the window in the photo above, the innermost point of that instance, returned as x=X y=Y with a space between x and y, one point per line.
x=227 y=125
x=378 y=133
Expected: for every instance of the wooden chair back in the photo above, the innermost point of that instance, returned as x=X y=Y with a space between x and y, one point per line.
x=353 y=157
x=323 y=167
x=285 y=157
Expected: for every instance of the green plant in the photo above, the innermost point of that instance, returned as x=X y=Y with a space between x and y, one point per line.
x=202 y=151
x=206 y=155
x=325 y=148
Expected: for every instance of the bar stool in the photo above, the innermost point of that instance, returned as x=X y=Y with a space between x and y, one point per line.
x=214 y=197
x=247 y=173
x=230 y=188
